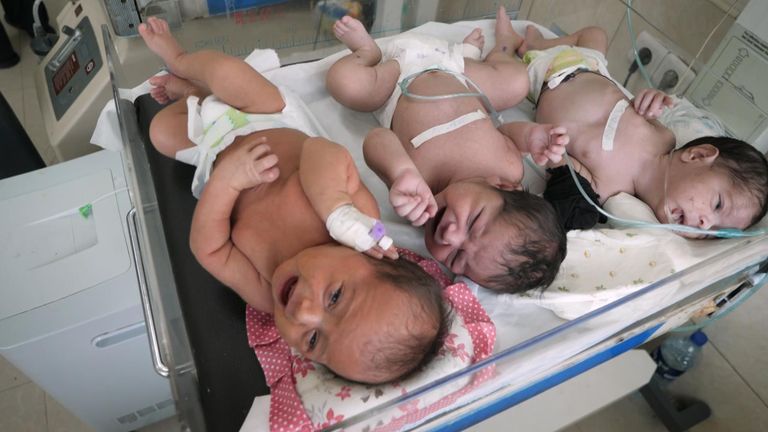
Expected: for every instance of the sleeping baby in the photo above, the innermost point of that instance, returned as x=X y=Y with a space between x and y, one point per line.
x=269 y=194
x=617 y=145
x=478 y=222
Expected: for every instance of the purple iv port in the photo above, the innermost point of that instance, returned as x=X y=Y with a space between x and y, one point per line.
x=377 y=231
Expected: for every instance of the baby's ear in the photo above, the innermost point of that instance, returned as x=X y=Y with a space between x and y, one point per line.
x=706 y=153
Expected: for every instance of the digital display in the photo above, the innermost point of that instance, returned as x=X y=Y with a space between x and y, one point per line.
x=65 y=73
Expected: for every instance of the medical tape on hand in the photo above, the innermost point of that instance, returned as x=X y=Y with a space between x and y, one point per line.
x=348 y=226
x=609 y=133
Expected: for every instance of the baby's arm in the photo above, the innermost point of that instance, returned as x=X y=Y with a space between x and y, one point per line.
x=330 y=180
x=408 y=192
x=649 y=103
x=545 y=142
x=210 y=237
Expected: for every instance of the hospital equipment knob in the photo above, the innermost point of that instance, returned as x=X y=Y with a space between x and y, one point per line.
x=678 y=353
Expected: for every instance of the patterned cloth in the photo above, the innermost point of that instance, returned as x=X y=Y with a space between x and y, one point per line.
x=289 y=409
x=275 y=358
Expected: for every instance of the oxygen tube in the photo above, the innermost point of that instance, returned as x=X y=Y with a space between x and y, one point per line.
x=720 y=233
x=495 y=116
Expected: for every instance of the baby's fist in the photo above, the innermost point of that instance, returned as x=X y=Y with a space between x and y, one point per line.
x=251 y=165
x=412 y=199
x=547 y=143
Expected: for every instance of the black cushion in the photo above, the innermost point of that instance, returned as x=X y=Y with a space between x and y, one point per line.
x=228 y=373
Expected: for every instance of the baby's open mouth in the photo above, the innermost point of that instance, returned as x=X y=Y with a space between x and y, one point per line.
x=287 y=290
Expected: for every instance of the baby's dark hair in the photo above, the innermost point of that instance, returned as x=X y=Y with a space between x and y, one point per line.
x=533 y=255
x=744 y=163
x=396 y=355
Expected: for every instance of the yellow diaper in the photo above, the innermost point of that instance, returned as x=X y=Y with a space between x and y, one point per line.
x=551 y=66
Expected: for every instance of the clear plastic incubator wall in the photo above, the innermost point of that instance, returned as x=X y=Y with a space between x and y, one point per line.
x=706 y=52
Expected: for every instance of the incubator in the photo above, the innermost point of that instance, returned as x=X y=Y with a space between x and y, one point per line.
x=196 y=326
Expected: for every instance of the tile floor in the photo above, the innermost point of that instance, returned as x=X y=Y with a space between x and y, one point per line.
x=730 y=377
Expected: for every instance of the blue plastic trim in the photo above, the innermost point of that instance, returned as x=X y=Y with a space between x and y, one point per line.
x=217 y=7
x=547 y=383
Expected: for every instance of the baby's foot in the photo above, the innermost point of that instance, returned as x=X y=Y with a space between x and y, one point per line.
x=352 y=33
x=532 y=38
x=157 y=35
x=169 y=87
x=507 y=39
x=475 y=39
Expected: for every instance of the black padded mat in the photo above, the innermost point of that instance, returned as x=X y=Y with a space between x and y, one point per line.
x=229 y=375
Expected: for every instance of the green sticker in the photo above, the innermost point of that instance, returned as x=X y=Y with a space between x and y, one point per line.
x=86 y=210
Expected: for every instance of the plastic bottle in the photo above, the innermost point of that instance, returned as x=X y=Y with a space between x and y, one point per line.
x=677 y=354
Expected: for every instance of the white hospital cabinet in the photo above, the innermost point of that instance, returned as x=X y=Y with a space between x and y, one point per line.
x=70 y=311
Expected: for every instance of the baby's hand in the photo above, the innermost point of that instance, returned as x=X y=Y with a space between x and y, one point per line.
x=249 y=165
x=547 y=143
x=411 y=197
x=650 y=102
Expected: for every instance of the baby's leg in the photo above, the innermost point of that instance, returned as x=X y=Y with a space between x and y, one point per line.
x=168 y=130
x=229 y=78
x=358 y=81
x=502 y=77
x=588 y=37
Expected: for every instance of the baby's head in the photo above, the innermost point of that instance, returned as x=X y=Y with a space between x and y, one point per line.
x=367 y=320
x=716 y=182
x=509 y=241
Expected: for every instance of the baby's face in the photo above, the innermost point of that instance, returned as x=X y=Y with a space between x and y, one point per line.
x=706 y=197
x=467 y=234
x=329 y=304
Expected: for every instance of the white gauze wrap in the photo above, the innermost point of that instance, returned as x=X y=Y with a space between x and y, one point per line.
x=348 y=226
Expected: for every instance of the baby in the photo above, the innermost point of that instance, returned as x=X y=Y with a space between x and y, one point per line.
x=709 y=183
x=445 y=162
x=260 y=224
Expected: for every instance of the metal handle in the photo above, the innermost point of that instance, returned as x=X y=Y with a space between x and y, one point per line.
x=154 y=345
x=73 y=38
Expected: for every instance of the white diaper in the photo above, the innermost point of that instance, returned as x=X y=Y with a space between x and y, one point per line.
x=551 y=66
x=214 y=125
x=416 y=53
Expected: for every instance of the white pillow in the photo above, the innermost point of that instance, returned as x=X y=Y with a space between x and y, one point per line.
x=688 y=122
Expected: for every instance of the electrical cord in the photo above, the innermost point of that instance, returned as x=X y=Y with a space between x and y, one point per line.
x=633 y=38
x=43 y=41
x=645 y=57
x=706 y=41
